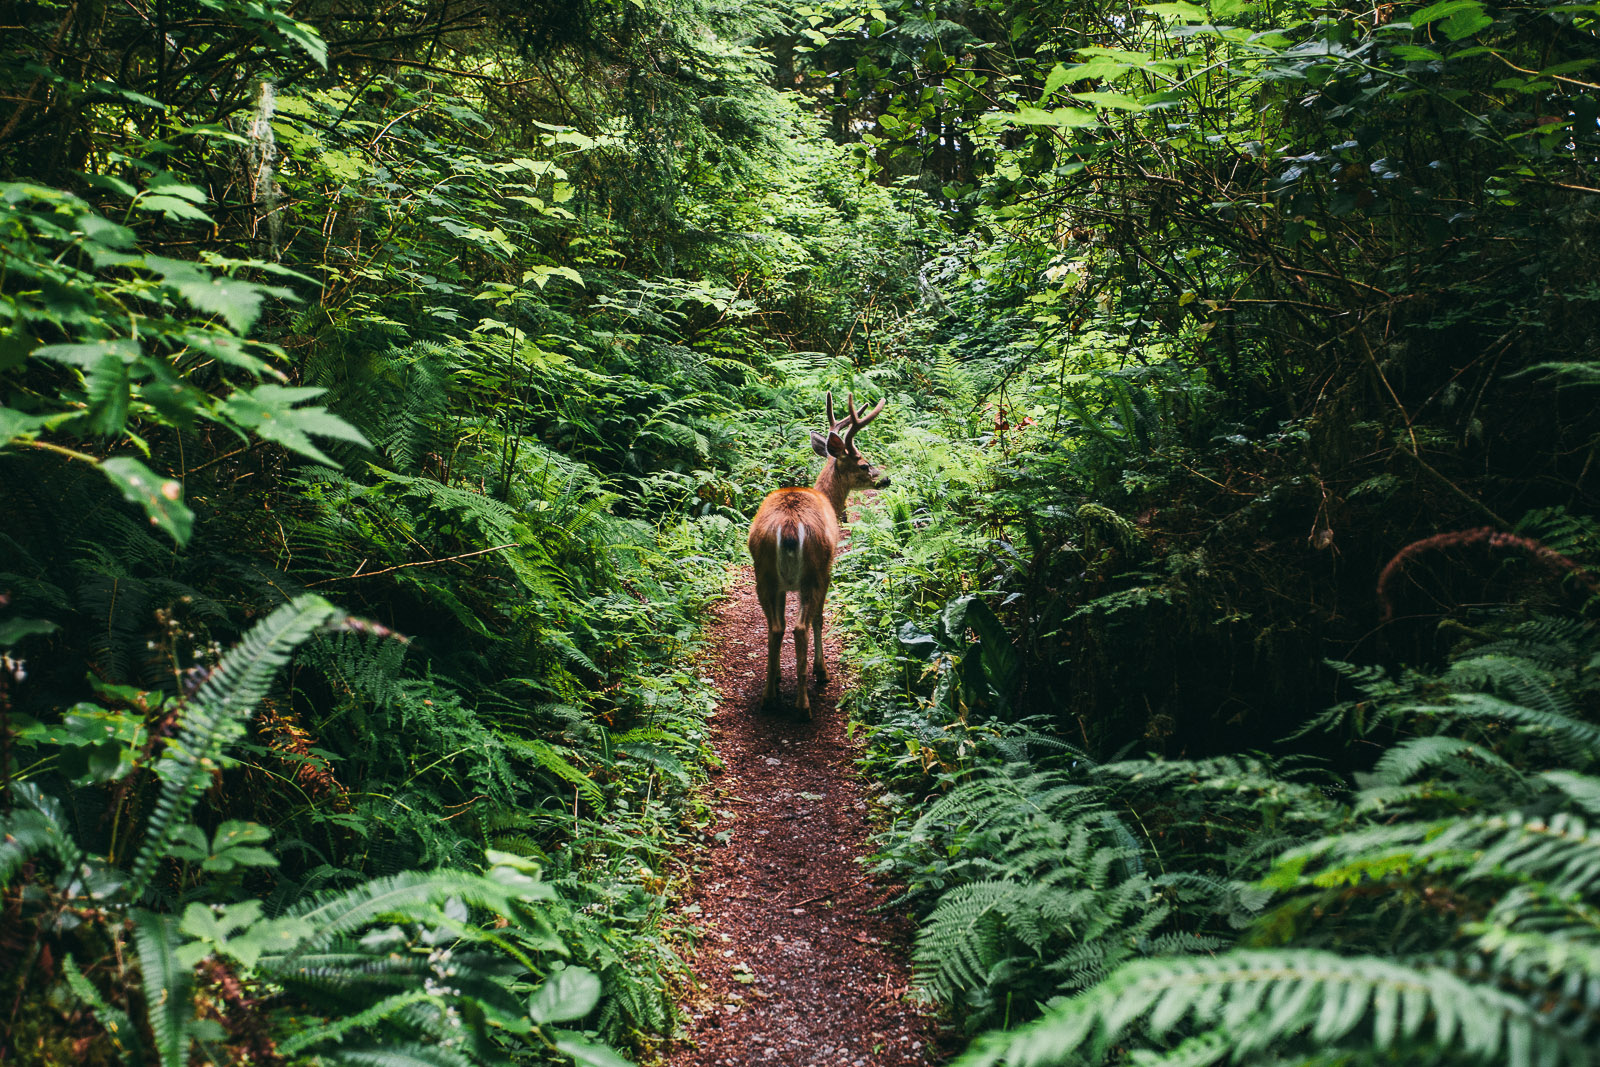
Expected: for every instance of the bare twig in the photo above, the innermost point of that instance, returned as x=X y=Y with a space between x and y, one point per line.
x=418 y=563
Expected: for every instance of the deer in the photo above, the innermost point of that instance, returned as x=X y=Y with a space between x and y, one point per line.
x=794 y=537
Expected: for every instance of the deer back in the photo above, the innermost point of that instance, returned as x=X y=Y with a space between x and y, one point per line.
x=793 y=537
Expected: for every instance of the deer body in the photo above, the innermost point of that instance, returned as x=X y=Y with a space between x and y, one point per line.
x=794 y=538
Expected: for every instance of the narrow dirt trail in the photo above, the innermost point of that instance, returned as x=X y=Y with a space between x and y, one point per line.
x=795 y=968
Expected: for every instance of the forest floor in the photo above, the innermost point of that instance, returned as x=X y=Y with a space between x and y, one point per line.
x=796 y=966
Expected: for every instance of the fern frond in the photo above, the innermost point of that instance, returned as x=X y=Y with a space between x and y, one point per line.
x=1263 y=1000
x=215 y=717
x=336 y=1030
x=409 y=895
x=1405 y=760
x=114 y=1021
x=36 y=825
x=168 y=987
x=1202 y=1050
x=411 y=1055
x=1582 y=789
x=1568 y=735
x=554 y=760
x=1562 y=852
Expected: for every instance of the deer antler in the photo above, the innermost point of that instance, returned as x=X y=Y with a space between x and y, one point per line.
x=859 y=419
x=853 y=421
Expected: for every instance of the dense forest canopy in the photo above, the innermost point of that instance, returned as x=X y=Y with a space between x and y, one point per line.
x=385 y=388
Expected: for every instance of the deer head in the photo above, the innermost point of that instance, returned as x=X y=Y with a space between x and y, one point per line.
x=852 y=469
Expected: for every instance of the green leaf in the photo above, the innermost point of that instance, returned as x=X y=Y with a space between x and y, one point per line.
x=109 y=182
x=172 y=207
x=1059 y=75
x=1465 y=24
x=1415 y=53
x=226 y=348
x=1444 y=9
x=307 y=38
x=109 y=389
x=1114 y=101
x=269 y=411
x=587 y=1053
x=161 y=498
x=18 y=426
x=1182 y=12
x=238 y=302
x=14 y=630
x=568 y=994
x=1098 y=68
x=539 y=275
x=89 y=355
x=1061 y=117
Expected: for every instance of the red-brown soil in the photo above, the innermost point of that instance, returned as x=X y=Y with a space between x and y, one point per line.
x=795 y=967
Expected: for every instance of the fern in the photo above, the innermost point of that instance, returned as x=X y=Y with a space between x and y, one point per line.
x=1268 y=1000
x=36 y=824
x=553 y=759
x=1407 y=759
x=413 y=895
x=215 y=717
x=397 y=1055
x=114 y=1021
x=168 y=987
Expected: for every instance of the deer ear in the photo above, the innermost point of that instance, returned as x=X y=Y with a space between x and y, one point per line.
x=819 y=444
x=836 y=445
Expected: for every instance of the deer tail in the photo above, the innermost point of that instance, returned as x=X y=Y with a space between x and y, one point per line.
x=791 y=540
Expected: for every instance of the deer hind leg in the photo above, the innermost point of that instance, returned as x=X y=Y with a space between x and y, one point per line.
x=806 y=627
x=772 y=606
x=802 y=699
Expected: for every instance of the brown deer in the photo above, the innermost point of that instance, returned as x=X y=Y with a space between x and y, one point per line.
x=793 y=539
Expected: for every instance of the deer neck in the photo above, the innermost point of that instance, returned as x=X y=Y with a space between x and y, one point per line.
x=830 y=485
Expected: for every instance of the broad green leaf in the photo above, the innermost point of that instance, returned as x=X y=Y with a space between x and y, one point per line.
x=18 y=426
x=1115 y=101
x=226 y=348
x=1183 y=12
x=1097 y=69
x=110 y=182
x=1415 y=53
x=161 y=498
x=173 y=208
x=1444 y=9
x=1059 y=75
x=1465 y=23
x=89 y=355
x=115 y=90
x=307 y=37
x=238 y=302
x=168 y=184
x=109 y=389
x=14 y=630
x=569 y=994
x=587 y=1053
x=1061 y=117
x=269 y=411
x=540 y=275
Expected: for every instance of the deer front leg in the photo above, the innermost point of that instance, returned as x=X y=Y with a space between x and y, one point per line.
x=818 y=665
x=818 y=662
